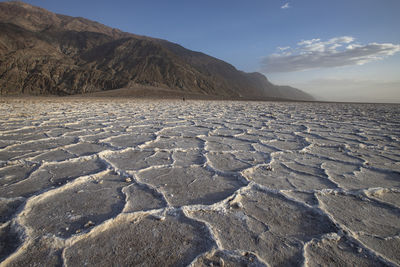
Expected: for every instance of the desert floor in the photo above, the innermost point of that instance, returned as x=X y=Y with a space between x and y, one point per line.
x=121 y=182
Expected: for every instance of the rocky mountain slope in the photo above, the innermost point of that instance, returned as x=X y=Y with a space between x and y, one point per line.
x=46 y=53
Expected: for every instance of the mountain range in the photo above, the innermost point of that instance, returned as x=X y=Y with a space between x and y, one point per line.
x=43 y=53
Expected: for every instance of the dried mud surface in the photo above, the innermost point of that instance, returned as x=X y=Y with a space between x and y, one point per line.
x=101 y=182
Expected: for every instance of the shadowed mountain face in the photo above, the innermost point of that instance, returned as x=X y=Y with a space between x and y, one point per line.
x=46 y=53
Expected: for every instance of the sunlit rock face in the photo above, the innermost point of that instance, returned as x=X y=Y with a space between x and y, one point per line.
x=43 y=53
x=200 y=183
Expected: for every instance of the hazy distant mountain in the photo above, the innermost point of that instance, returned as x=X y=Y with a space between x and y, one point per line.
x=46 y=53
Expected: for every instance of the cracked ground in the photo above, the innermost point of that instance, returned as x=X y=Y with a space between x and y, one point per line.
x=103 y=182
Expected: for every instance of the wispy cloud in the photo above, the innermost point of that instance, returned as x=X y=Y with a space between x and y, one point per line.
x=336 y=52
x=285 y=6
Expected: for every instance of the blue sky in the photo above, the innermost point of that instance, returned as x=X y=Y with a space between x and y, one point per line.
x=338 y=50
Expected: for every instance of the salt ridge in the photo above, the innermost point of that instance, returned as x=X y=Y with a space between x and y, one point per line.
x=239 y=153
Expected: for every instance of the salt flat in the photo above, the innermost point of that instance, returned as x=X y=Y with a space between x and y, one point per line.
x=103 y=182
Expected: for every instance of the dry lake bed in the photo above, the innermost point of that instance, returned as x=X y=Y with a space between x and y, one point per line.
x=113 y=182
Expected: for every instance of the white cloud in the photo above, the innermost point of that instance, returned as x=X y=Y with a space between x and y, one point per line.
x=285 y=6
x=283 y=48
x=336 y=52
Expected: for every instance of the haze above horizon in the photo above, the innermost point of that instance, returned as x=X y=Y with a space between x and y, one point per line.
x=337 y=50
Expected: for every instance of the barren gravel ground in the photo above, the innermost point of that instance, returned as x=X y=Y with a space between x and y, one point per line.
x=103 y=182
